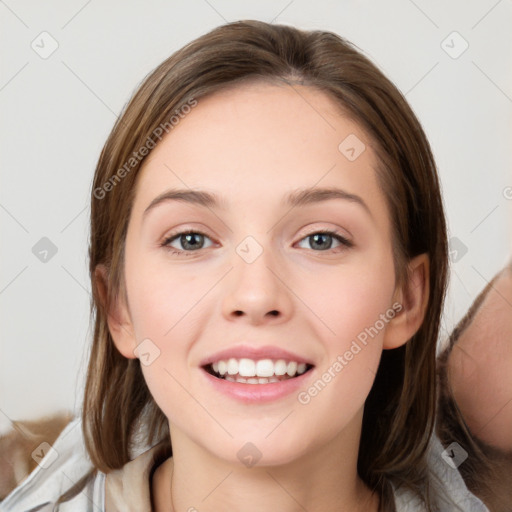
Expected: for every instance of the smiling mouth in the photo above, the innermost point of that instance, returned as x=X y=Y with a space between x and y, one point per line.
x=263 y=371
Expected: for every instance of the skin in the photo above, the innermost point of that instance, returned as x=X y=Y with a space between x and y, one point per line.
x=253 y=145
x=481 y=378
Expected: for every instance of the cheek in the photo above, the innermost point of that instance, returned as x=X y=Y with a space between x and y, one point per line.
x=348 y=299
x=161 y=298
x=165 y=307
x=350 y=310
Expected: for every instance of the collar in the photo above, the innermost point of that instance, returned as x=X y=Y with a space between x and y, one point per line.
x=128 y=489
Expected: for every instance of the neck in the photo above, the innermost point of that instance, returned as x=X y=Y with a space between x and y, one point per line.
x=324 y=479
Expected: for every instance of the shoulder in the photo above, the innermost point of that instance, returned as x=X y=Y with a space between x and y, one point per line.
x=448 y=488
x=61 y=466
x=66 y=462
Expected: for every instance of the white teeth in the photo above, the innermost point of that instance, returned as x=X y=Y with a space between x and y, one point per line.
x=280 y=367
x=265 y=368
x=259 y=380
x=292 y=369
x=247 y=368
x=254 y=372
x=232 y=366
x=222 y=367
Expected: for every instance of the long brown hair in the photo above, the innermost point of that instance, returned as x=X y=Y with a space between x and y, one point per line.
x=400 y=409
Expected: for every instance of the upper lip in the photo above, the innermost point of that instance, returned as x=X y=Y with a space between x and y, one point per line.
x=255 y=353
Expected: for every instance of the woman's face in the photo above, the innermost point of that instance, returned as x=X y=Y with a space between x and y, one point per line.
x=260 y=280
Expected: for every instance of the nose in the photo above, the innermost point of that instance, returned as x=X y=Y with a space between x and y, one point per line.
x=257 y=291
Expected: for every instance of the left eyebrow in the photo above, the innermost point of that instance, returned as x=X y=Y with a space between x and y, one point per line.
x=301 y=197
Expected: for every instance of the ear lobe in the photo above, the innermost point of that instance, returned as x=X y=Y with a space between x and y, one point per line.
x=414 y=300
x=118 y=317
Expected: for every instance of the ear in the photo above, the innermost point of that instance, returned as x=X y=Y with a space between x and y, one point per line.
x=413 y=297
x=118 y=316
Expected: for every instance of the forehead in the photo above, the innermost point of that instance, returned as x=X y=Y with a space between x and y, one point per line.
x=258 y=142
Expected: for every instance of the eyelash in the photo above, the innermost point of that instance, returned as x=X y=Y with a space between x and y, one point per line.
x=335 y=234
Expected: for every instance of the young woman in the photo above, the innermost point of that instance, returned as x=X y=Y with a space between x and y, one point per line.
x=268 y=256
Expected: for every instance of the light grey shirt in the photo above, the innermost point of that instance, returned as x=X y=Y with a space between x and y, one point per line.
x=128 y=489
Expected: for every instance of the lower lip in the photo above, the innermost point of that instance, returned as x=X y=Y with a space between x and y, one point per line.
x=251 y=393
